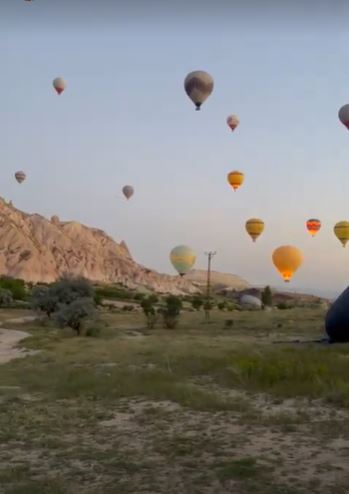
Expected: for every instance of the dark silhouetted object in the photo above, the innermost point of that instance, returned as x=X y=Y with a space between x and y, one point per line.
x=337 y=319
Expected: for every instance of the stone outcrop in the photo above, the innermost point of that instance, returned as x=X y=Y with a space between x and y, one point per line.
x=36 y=249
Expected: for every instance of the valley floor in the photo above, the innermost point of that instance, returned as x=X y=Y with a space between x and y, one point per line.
x=207 y=408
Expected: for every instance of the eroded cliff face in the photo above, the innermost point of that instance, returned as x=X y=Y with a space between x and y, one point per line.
x=36 y=249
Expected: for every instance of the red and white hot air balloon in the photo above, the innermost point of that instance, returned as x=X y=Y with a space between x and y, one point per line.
x=59 y=84
x=20 y=176
x=343 y=115
x=233 y=121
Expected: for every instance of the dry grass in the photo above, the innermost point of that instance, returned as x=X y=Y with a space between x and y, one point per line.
x=202 y=409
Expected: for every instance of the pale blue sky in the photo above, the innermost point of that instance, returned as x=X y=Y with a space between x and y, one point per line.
x=125 y=118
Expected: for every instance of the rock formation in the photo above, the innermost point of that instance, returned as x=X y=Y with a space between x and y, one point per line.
x=36 y=249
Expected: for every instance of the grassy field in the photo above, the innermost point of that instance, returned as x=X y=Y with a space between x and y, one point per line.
x=251 y=408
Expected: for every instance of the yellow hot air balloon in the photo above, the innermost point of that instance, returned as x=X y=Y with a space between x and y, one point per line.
x=235 y=179
x=287 y=260
x=341 y=230
x=183 y=259
x=254 y=227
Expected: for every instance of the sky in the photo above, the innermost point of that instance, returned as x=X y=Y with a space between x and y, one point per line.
x=125 y=119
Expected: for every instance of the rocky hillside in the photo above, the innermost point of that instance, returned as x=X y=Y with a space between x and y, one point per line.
x=35 y=249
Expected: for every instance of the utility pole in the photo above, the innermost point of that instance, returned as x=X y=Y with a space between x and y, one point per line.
x=208 y=284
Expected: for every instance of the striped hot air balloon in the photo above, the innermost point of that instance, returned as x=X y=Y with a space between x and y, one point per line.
x=183 y=259
x=254 y=227
x=235 y=179
x=20 y=176
x=341 y=230
x=313 y=226
x=59 y=84
x=198 y=85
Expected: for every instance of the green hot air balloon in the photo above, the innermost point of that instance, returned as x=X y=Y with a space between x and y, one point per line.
x=183 y=259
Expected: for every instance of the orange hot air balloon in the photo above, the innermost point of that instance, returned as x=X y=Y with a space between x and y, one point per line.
x=287 y=260
x=235 y=179
x=233 y=121
x=313 y=226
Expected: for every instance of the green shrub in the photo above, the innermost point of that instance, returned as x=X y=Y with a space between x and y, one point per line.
x=197 y=303
x=229 y=323
x=172 y=311
x=15 y=286
x=6 y=298
x=72 y=315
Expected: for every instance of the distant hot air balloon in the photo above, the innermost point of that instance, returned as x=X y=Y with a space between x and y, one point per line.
x=287 y=260
x=183 y=259
x=20 y=176
x=254 y=228
x=235 y=179
x=198 y=85
x=233 y=121
x=343 y=115
x=341 y=230
x=128 y=191
x=313 y=226
x=59 y=84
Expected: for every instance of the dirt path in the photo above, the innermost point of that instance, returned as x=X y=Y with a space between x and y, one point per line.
x=9 y=338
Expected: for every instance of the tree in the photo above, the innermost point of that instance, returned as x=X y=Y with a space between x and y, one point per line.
x=16 y=287
x=69 y=288
x=72 y=315
x=44 y=300
x=267 y=297
x=6 y=297
x=197 y=303
x=172 y=311
x=221 y=305
x=148 y=306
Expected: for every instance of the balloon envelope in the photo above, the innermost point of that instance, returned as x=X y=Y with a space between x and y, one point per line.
x=183 y=259
x=128 y=191
x=313 y=226
x=233 y=121
x=254 y=227
x=59 y=84
x=343 y=115
x=235 y=179
x=198 y=85
x=20 y=176
x=341 y=230
x=287 y=259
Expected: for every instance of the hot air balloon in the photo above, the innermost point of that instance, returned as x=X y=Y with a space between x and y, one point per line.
x=198 y=85
x=20 y=176
x=287 y=260
x=235 y=179
x=183 y=259
x=341 y=230
x=128 y=191
x=254 y=227
x=343 y=115
x=313 y=226
x=59 y=84
x=233 y=121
